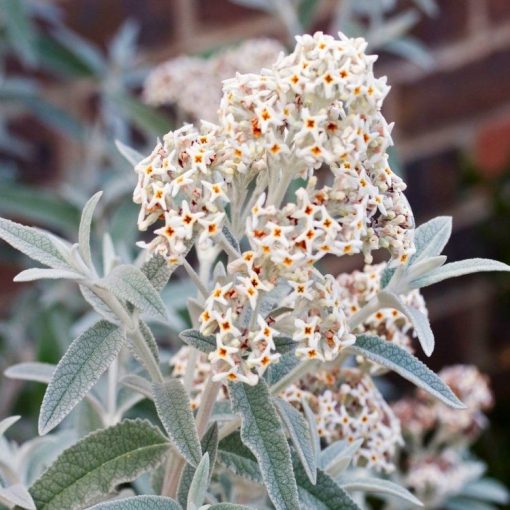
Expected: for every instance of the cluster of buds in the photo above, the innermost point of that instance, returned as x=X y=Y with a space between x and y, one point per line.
x=359 y=287
x=318 y=107
x=349 y=407
x=193 y=84
x=434 y=464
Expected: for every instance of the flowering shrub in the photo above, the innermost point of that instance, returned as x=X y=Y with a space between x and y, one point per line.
x=296 y=169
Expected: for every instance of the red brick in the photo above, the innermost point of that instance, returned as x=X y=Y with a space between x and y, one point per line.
x=448 y=25
x=492 y=147
x=499 y=10
x=450 y=97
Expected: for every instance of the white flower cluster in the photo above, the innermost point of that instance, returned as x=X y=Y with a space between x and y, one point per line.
x=349 y=407
x=359 y=287
x=318 y=107
x=194 y=83
x=422 y=414
x=437 y=437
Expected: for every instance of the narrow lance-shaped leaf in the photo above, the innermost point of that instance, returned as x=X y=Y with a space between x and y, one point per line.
x=300 y=436
x=460 y=268
x=431 y=237
x=95 y=465
x=261 y=431
x=419 y=321
x=16 y=496
x=158 y=271
x=194 y=338
x=35 y=243
x=378 y=486
x=174 y=411
x=399 y=360
x=84 y=230
x=234 y=455
x=133 y=157
x=312 y=426
x=139 y=503
x=326 y=494
x=87 y=358
x=36 y=273
x=130 y=284
x=98 y=305
x=338 y=464
x=31 y=371
x=209 y=444
x=6 y=423
x=199 y=484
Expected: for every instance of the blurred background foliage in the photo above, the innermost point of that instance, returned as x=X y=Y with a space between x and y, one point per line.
x=69 y=91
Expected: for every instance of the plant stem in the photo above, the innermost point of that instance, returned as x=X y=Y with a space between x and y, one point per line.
x=207 y=402
x=195 y=278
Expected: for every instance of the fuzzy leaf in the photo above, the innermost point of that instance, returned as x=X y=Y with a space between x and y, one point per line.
x=431 y=237
x=399 y=360
x=335 y=462
x=324 y=495
x=17 y=496
x=84 y=230
x=37 y=273
x=174 y=411
x=86 y=359
x=6 y=423
x=262 y=433
x=209 y=444
x=158 y=271
x=95 y=465
x=139 y=503
x=31 y=371
x=133 y=157
x=278 y=370
x=229 y=506
x=487 y=489
x=139 y=384
x=199 y=484
x=419 y=321
x=98 y=305
x=234 y=455
x=194 y=338
x=37 y=244
x=129 y=283
x=460 y=268
x=149 y=339
x=300 y=436
x=231 y=239
x=378 y=486
x=284 y=344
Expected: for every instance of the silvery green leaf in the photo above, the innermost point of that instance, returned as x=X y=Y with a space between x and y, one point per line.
x=132 y=156
x=219 y=271
x=139 y=384
x=312 y=427
x=424 y=266
x=98 y=305
x=194 y=338
x=17 y=496
x=86 y=359
x=300 y=436
x=229 y=506
x=149 y=339
x=378 y=486
x=399 y=360
x=84 y=230
x=108 y=252
x=331 y=452
x=37 y=273
x=278 y=370
x=341 y=461
x=234 y=455
x=31 y=371
x=139 y=503
x=157 y=270
x=199 y=484
x=460 y=268
x=284 y=344
x=95 y=465
x=431 y=237
x=37 y=244
x=209 y=444
x=222 y=411
x=174 y=411
x=387 y=275
x=129 y=283
x=326 y=494
x=6 y=423
x=231 y=239
x=419 y=321
x=262 y=433
x=487 y=489
x=393 y=28
x=459 y=503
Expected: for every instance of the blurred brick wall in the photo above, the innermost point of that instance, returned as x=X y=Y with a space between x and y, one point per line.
x=459 y=109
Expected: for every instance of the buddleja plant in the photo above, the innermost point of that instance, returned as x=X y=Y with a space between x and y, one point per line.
x=273 y=396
